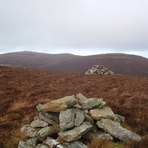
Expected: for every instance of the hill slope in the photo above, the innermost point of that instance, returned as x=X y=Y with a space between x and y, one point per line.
x=21 y=89
x=119 y=63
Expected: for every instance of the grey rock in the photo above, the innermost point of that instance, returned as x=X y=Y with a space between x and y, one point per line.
x=119 y=118
x=91 y=103
x=70 y=118
x=99 y=69
x=75 y=133
x=89 y=119
x=38 y=123
x=78 y=106
x=67 y=119
x=23 y=144
x=51 y=142
x=75 y=144
x=32 y=132
x=42 y=146
x=80 y=96
x=79 y=117
x=29 y=131
x=116 y=130
x=25 y=128
x=57 y=105
x=51 y=118
x=97 y=133
x=47 y=131
x=104 y=112
x=32 y=142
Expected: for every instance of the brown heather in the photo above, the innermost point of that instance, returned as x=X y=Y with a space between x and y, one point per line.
x=22 y=89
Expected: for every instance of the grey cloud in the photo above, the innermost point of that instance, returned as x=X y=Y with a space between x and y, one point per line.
x=61 y=25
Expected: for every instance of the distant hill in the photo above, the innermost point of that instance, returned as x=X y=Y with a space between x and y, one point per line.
x=118 y=63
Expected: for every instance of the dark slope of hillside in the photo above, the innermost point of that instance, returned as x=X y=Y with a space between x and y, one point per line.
x=119 y=63
x=21 y=89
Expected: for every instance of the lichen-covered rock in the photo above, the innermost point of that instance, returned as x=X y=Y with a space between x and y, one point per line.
x=75 y=144
x=89 y=119
x=75 y=133
x=32 y=141
x=97 y=133
x=51 y=118
x=104 y=112
x=91 y=103
x=23 y=144
x=51 y=142
x=57 y=105
x=119 y=118
x=67 y=119
x=70 y=118
x=38 y=123
x=47 y=131
x=114 y=128
x=42 y=146
x=32 y=132
x=79 y=117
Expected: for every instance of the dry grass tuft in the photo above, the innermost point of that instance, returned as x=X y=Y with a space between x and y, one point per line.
x=100 y=143
x=17 y=105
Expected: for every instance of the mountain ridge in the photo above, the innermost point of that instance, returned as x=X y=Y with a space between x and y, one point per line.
x=119 y=63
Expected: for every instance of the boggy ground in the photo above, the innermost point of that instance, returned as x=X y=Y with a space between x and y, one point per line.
x=21 y=89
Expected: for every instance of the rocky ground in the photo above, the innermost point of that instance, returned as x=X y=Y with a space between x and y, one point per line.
x=66 y=122
x=22 y=89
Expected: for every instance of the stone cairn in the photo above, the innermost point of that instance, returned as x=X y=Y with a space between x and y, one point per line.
x=100 y=70
x=70 y=121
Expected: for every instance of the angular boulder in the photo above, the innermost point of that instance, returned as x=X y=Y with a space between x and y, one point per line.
x=75 y=133
x=58 y=105
x=104 y=112
x=116 y=130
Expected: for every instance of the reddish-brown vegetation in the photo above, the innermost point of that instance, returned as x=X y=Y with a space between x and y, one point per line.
x=22 y=89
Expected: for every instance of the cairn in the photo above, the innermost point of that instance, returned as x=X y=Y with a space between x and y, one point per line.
x=70 y=121
x=100 y=70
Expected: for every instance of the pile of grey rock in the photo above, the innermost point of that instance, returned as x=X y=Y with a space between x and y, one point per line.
x=100 y=70
x=70 y=121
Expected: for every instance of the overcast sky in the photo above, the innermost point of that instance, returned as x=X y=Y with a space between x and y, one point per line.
x=74 y=26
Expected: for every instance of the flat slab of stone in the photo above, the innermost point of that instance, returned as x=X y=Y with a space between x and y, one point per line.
x=38 y=123
x=23 y=144
x=42 y=146
x=58 y=105
x=51 y=118
x=47 y=131
x=75 y=144
x=104 y=112
x=116 y=130
x=75 y=133
x=90 y=103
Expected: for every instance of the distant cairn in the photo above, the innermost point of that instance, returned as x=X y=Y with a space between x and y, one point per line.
x=100 y=70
